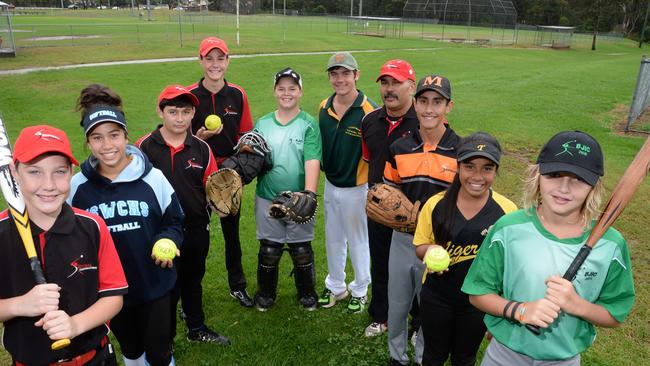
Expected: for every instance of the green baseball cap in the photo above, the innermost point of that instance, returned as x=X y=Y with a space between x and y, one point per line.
x=343 y=59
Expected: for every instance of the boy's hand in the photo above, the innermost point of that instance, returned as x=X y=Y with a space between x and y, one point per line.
x=562 y=293
x=204 y=134
x=58 y=325
x=40 y=300
x=165 y=263
x=541 y=313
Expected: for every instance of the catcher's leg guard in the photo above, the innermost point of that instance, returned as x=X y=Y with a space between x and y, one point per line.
x=267 y=273
x=304 y=273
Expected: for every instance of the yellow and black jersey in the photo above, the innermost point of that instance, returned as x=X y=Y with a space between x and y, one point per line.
x=422 y=170
x=466 y=238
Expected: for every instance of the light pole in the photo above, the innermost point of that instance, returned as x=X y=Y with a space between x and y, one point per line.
x=645 y=20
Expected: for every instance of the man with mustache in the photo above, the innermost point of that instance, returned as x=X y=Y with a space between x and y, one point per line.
x=379 y=129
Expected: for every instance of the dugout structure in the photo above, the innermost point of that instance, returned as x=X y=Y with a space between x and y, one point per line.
x=7 y=41
x=481 y=22
x=375 y=27
x=554 y=36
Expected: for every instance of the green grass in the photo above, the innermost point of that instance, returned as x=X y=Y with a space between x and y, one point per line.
x=522 y=96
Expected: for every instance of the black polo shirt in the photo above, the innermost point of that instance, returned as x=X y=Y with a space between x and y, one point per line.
x=231 y=104
x=78 y=254
x=378 y=132
x=186 y=167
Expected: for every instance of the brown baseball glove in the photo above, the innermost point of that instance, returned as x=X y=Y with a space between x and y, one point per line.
x=223 y=190
x=387 y=205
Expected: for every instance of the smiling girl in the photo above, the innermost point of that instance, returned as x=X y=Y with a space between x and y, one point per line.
x=458 y=219
x=140 y=207
x=515 y=277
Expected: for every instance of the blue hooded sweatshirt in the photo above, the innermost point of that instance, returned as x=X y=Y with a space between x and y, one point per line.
x=139 y=207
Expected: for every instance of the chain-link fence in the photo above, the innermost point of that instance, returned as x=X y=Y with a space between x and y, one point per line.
x=641 y=96
x=7 y=43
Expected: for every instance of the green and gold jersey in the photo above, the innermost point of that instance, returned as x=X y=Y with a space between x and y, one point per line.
x=516 y=258
x=291 y=145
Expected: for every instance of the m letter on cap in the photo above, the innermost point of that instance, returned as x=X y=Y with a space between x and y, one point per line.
x=437 y=81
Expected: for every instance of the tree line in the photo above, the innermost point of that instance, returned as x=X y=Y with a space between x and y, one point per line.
x=619 y=16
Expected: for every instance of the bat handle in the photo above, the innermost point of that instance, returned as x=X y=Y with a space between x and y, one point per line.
x=568 y=275
x=35 y=264
x=37 y=270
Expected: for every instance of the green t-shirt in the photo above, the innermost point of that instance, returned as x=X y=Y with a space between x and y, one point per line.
x=291 y=145
x=519 y=254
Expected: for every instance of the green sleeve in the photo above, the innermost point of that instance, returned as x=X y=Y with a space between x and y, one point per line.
x=312 y=145
x=617 y=294
x=485 y=276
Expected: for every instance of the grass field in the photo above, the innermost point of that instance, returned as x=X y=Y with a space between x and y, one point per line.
x=522 y=96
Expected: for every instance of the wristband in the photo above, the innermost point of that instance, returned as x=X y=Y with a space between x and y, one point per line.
x=522 y=311
x=514 y=310
x=505 y=308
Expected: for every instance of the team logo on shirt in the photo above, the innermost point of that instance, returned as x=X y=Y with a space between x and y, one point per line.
x=191 y=164
x=353 y=131
x=79 y=267
x=228 y=111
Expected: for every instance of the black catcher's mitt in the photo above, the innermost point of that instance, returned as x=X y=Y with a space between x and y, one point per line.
x=299 y=207
x=252 y=157
x=223 y=190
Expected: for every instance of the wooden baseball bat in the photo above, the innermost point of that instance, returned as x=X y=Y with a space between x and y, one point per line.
x=621 y=196
x=11 y=193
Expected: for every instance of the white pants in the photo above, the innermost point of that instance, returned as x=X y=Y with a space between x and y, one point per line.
x=346 y=224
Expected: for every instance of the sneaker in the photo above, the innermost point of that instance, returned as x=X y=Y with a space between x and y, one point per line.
x=328 y=299
x=357 y=304
x=263 y=303
x=207 y=335
x=242 y=296
x=309 y=302
x=375 y=329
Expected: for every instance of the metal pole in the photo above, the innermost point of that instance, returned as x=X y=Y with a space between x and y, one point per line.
x=148 y=11
x=284 y=9
x=645 y=20
x=273 y=7
x=360 y=6
x=237 y=22
x=180 y=28
x=352 y=8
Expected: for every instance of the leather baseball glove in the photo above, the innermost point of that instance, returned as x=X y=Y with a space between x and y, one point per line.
x=299 y=207
x=387 y=205
x=252 y=157
x=223 y=190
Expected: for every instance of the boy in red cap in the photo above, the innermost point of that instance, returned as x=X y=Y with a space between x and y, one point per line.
x=85 y=277
x=229 y=102
x=187 y=162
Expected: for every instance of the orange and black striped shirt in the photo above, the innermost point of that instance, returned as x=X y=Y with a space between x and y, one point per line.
x=422 y=170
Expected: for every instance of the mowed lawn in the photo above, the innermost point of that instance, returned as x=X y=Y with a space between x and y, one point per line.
x=522 y=96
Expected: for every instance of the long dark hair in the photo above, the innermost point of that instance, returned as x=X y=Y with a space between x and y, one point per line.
x=97 y=95
x=443 y=221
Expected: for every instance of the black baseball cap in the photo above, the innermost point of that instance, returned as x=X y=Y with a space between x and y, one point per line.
x=437 y=83
x=288 y=72
x=572 y=152
x=101 y=114
x=479 y=144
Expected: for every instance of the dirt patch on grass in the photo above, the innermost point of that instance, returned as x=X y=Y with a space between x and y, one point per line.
x=640 y=127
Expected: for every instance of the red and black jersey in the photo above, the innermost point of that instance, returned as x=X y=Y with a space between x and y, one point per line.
x=186 y=167
x=419 y=169
x=78 y=254
x=378 y=132
x=231 y=104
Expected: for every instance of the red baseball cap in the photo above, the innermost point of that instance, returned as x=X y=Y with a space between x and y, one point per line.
x=174 y=91
x=35 y=141
x=210 y=43
x=398 y=69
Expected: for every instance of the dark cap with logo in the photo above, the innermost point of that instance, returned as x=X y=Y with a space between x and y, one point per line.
x=479 y=144
x=572 y=152
x=290 y=73
x=436 y=83
x=101 y=114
